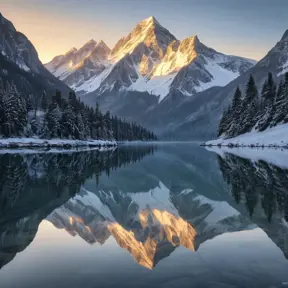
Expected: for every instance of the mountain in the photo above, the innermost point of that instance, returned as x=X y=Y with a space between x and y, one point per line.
x=78 y=66
x=205 y=113
x=19 y=63
x=150 y=59
x=148 y=225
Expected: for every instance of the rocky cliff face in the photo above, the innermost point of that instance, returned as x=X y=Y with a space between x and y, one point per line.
x=20 y=63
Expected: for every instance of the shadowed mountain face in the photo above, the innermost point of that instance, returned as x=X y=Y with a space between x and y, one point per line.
x=20 y=64
x=177 y=198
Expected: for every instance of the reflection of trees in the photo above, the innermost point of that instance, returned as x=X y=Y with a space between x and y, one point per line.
x=256 y=182
x=22 y=174
x=32 y=186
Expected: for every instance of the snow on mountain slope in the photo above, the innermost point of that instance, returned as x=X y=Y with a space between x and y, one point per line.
x=112 y=208
x=148 y=32
x=150 y=59
x=77 y=66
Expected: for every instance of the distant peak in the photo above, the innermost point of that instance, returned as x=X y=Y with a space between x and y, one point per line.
x=72 y=50
x=191 y=40
x=150 y=21
x=285 y=35
x=101 y=43
x=91 y=41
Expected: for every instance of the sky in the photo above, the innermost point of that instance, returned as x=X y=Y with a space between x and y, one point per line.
x=248 y=28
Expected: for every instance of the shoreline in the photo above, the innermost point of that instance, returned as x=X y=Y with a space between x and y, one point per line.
x=32 y=143
x=232 y=145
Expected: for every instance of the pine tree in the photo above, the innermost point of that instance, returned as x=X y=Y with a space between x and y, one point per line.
x=224 y=122
x=267 y=103
x=53 y=117
x=29 y=103
x=250 y=107
x=235 y=114
x=44 y=101
x=2 y=119
x=68 y=122
x=80 y=129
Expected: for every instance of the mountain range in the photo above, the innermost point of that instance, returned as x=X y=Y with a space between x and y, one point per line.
x=177 y=88
x=150 y=59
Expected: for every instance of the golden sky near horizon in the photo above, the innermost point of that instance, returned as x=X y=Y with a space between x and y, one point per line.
x=48 y=39
x=56 y=26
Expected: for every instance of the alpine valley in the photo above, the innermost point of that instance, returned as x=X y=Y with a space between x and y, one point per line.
x=176 y=88
x=149 y=76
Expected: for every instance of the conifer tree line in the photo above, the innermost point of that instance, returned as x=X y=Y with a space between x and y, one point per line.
x=254 y=183
x=249 y=110
x=57 y=117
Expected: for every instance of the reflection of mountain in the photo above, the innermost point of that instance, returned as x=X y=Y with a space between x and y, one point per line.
x=262 y=188
x=149 y=225
x=150 y=208
x=33 y=185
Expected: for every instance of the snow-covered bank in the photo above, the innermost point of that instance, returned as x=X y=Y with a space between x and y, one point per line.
x=53 y=143
x=272 y=137
x=273 y=156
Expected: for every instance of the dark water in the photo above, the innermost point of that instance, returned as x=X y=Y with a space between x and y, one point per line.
x=142 y=216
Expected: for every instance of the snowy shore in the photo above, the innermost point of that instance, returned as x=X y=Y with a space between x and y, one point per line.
x=273 y=137
x=53 y=143
x=273 y=156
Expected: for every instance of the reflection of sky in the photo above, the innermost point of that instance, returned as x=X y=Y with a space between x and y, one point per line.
x=56 y=258
x=246 y=28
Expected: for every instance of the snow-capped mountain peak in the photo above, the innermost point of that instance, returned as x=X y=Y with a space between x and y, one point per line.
x=149 y=32
x=285 y=35
x=151 y=59
x=91 y=53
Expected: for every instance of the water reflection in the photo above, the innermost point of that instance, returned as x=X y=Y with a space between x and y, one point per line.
x=158 y=206
x=263 y=188
x=33 y=185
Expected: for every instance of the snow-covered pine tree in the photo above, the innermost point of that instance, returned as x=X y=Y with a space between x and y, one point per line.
x=80 y=128
x=44 y=101
x=224 y=122
x=29 y=103
x=45 y=132
x=235 y=114
x=281 y=102
x=285 y=107
x=84 y=114
x=68 y=121
x=15 y=117
x=109 y=126
x=278 y=105
x=53 y=117
x=268 y=95
x=1 y=109
x=250 y=105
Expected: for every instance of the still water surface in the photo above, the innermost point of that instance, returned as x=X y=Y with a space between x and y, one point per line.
x=142 y=216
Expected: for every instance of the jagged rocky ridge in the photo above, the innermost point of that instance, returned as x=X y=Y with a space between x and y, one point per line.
x=150 y=59
x=200 y=116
